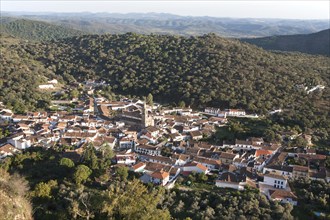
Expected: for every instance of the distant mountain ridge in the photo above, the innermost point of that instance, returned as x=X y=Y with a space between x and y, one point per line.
x=163 y=23
x=35 y=30
x=315 y=43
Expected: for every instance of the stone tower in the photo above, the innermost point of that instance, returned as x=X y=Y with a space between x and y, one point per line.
x=147 y=120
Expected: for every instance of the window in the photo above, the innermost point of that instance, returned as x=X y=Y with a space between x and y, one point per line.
x=275 y=181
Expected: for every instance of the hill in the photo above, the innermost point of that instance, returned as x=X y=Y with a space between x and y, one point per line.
x=315 y=43
x=35 y=30
x=20 y=76
x=160 y=23
x=201 y=71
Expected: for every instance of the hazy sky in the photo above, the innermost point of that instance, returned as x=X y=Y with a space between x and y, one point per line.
x=317 y=9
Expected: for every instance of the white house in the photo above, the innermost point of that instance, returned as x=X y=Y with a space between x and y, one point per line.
x=46 y=86
x=139 y=167
x=213 y=111
x=211 y=164
x=7 y=150
x=276 y=181
x=229 y=184
x=6 y=115
x=127 y=159
x=154 y=132
x=194 y=167
x=230 y=180
x=279 y=170
x=21 y=143
x=53 y=81
x=126 y=143
x=159 y=177
x=158 y=159
x=235 y=112
x=282 y=196
x=181 y=159
x=148 y=149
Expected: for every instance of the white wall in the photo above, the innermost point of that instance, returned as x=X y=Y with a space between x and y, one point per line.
x=274 y=182
x=223 y=184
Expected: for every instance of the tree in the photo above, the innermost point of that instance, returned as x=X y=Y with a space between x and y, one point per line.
x=150 y=99
x=132 y=200
x=83 y=203
x=81 y=174
x=74 y=93
x=202 y=177
x=122 y=171
x=42 y=190
x=90 y=157
x=66 y=162
x=182 y=104
x=298 y=142
x=269 y=135
x=107 y=152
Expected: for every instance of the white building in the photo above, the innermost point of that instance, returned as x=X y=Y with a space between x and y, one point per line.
x=275 y=181
x=235 y=112
x=6 y=115
x=127 y=159
x=279 y=170
x=213 y=111
x=148 y=149
x=230 y=180
x=53 y=81
x=46 y=86
x=282 y=196
x=158 y=177
x=232 y=185
x=20 y=143
x=195 y=167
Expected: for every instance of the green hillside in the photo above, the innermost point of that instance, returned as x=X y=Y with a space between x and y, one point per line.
x=316 y=43
x=20 y=75
x=201 y=71
x=35 y=30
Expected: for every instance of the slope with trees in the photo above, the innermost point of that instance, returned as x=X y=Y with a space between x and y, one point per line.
x=20 y=76
x=198 y=71
x=315 y=43
x=35 y=30
x=55 y=194
x=201 y=71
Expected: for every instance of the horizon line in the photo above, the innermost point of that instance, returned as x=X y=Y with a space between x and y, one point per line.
x=168 y=13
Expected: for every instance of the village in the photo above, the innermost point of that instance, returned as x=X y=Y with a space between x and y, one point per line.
x=163 y=143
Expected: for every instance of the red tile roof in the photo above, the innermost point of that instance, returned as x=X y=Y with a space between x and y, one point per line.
x=160 y=175
x=200 y=166
x=262 y=152
x=138 y=166
x=281 y=194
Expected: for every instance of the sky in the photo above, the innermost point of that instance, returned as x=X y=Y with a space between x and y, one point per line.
x=289 y=9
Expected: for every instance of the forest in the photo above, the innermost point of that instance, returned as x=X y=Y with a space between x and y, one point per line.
x=199 y=71
x=57 y=187
x=61 y=188
x=35 y=30
x=315 y=43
